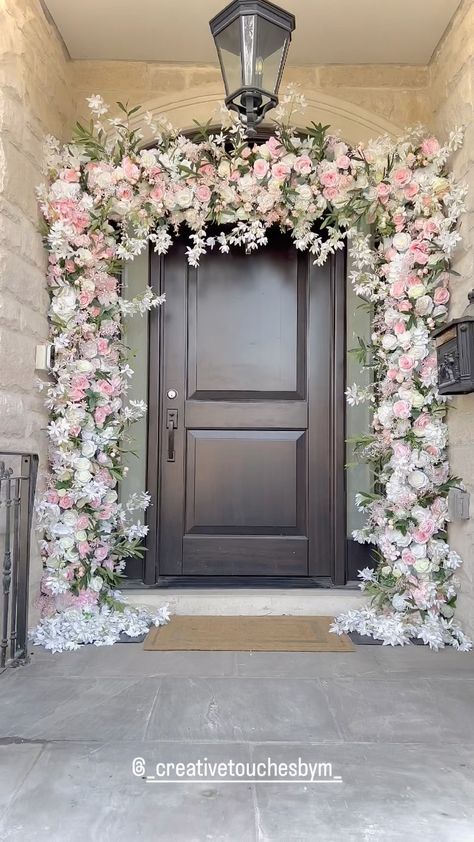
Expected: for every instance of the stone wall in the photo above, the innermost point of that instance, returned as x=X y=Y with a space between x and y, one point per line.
x=35 y=100
x=451 y=94
x=397 y=93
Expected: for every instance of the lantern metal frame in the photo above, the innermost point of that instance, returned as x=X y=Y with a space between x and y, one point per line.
x=250 y=101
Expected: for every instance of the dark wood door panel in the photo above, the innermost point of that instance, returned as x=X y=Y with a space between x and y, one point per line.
x=246 y=481
x=237 y=555
x=246 y=326
x=247 y=415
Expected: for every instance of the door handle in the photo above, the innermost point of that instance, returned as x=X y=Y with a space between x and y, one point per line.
x=171 y=426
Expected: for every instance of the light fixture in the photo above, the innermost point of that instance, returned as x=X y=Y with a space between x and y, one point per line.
x=252 y=39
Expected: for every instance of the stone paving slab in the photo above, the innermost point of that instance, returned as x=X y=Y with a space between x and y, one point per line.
x=396 y=724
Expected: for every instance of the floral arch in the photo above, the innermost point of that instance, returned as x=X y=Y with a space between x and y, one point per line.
x=107 y=197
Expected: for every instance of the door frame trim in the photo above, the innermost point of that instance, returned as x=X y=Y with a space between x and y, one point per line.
x=151 y=576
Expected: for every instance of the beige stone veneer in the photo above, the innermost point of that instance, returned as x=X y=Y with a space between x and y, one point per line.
x=42 y=91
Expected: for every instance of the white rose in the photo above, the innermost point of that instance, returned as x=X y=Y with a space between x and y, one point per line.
x=424 y=305
x=418 y=550
x=416 y=291
x=389 y=342
x=64 y=303
x=84 y=366
x=401 y=241
x=385 y=415
x=69 y=518
x=418 y=480
x=96 y=583
x=110 y=497
x=88 y=449
x=80 y=535
x=82 y=464
x=223 y=169
x=184 y=197
x=83 y=477
x=399 y=602
x=289 y=159
x=422 y=565
x=386 y=570
x=274 y=186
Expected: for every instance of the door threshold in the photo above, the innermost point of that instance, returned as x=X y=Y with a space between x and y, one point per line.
x=250 y=601
x=232 y=582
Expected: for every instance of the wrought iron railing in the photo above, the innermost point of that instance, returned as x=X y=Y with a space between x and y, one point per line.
x=17 y=490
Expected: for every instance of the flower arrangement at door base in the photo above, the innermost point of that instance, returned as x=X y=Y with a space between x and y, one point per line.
x=107 y=198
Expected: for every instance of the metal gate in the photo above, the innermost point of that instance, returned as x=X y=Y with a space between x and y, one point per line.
x=17 y=489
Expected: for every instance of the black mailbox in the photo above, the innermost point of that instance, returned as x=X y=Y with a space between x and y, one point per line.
x=455 y=351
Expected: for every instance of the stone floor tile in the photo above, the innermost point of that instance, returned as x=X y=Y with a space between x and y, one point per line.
x=241 y=708
x=83 y=791
x=388 y=794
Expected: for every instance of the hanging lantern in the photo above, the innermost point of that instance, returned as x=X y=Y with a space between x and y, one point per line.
x=252 y=38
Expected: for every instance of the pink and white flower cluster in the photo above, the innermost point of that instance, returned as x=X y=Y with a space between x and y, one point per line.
x=107 y=198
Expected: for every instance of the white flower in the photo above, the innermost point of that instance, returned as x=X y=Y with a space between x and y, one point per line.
x=97 y=105
x=401 y=241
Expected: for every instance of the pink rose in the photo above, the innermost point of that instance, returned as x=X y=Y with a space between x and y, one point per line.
x=392 y=374
x=132 y=173
x=430 y=146
x=401 y=409
x=207 y=170
x=406 y=363
x=343 y=162
x=83 y=548
x=401 y=176
x=203 y=193
x=101 y=553
x=399 y=328
x=85 y=298
x=52 y=496
x=441 y=295
x=401 y=450
x=260 y=168
x=103 y=347
x=246 y=152
x=404 y=306
x=157 y=193
x=280 y=171
x=124 y=192
x=105 y=388
x=408 y=557
x=329 y=178
x=421 y=422
x=69 y=175
x=274 y=146
x=82 y=522
x=66 y=502
x=397 y=289
x=411 y=190
x=330 y=193
x=303 y=165
x=100 y=414
x=418 y=251
x=383 y=192
x=76 y=394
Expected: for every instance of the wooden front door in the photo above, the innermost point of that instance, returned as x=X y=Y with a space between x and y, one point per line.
x=246 y=418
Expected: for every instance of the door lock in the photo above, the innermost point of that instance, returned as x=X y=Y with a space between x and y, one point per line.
x=172 y=394
x=171 y=426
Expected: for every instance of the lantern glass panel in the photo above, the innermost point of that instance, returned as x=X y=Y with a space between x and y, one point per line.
x=228 y=49
x=251 y=53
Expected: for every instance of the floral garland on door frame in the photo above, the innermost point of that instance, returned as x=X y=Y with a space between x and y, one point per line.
x=105 y=200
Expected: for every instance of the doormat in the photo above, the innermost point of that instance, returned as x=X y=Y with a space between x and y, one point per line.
x=247 y=634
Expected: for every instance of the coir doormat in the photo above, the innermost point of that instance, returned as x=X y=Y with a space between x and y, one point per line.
x=243 y=633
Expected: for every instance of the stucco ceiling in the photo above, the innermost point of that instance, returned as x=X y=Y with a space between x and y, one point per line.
x=337 y=32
